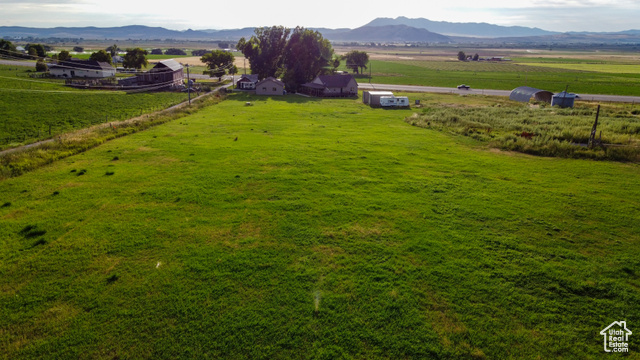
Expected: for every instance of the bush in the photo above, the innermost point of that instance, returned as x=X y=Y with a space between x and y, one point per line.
x=41 y=66
x=174 y=51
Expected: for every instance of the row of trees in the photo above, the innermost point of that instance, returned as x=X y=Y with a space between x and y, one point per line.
x=463 y=57
x=297 y=56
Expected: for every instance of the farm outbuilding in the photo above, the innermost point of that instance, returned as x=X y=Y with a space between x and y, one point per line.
x=76 y=68
x=167 y=73
x=372 y=98
x=563 y=99
x=525 y=93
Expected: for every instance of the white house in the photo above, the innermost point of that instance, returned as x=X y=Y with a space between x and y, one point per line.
x=75 y=68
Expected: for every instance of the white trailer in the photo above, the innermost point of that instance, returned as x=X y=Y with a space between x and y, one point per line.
x=402 y=101
x=388 y=101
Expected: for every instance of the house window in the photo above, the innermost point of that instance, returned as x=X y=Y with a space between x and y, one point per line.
x=274 y=89
x=264 y=89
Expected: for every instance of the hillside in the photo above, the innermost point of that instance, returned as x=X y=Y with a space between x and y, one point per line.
x=390 y=33
x=462 y=29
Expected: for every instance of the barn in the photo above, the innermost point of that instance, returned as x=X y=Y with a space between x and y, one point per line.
x=166 y=73
x=76 y=68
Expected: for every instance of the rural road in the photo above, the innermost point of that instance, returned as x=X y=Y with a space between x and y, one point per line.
x=434 y=89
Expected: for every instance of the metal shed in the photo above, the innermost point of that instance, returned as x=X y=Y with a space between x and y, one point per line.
x=525 y=93
x=563 y=99
x=373 y=97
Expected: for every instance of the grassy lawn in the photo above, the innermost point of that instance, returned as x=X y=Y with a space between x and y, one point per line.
x=300 y=228
x=609 y=79
x=30 y=106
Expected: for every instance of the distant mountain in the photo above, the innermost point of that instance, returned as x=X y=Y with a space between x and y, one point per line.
x=462 y=29
x=388 y=33
x=137 y=32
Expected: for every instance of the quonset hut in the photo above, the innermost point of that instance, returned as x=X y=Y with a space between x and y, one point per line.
x=525 y=93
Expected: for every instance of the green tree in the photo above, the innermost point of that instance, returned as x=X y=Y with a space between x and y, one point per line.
x=36 y=50
x=7 y=47
x=306 y=56
x=462 y=56
x=113 y=50
x=78 y=49
x=101 y=56
x=135 y=59
x=265 y=50
x=64 y=55
x=476 y=57
x=218 y=62
x=156 y=52
x=356 y=60
x=223 y=45
x=198 y=52
x=174 y=51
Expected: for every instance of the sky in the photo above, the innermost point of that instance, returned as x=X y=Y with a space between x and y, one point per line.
x=552 y=15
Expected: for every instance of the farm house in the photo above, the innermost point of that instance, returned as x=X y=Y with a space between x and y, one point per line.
x=270 y=86
x=247 y=82
x=332 y=86
x=75 y=68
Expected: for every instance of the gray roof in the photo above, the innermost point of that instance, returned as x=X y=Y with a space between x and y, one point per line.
x=525 y=93
x=82 y=64
x=271 y=79
x=250 y=77
x=167 y=65
x=335 y=81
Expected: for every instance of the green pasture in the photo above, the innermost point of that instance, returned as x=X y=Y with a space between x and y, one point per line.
x=504 y=76
x=30 y=107
x=300 y=228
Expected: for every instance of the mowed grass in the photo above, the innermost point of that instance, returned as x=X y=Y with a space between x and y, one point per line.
x=31 y=107
x=304 y=228
x=506 y=76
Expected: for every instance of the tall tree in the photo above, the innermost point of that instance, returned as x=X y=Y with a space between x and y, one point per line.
x=218 y=62
x=101 y=56
x=78 y=49
x=306 y=56
x=462 y=56
x=265 y=50
x=135 y=58
x=356 y=60
x=113 y=50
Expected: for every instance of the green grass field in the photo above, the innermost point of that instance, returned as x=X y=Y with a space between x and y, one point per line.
x=581 y=78
x=301 y=228
x=30 y=106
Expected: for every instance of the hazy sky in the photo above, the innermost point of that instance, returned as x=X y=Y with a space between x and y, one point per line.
x=555 y=15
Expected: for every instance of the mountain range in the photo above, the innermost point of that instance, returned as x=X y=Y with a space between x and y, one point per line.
x=400 y=29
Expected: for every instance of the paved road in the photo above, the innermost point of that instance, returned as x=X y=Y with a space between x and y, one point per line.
x=434 y=89
x=18 y=63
